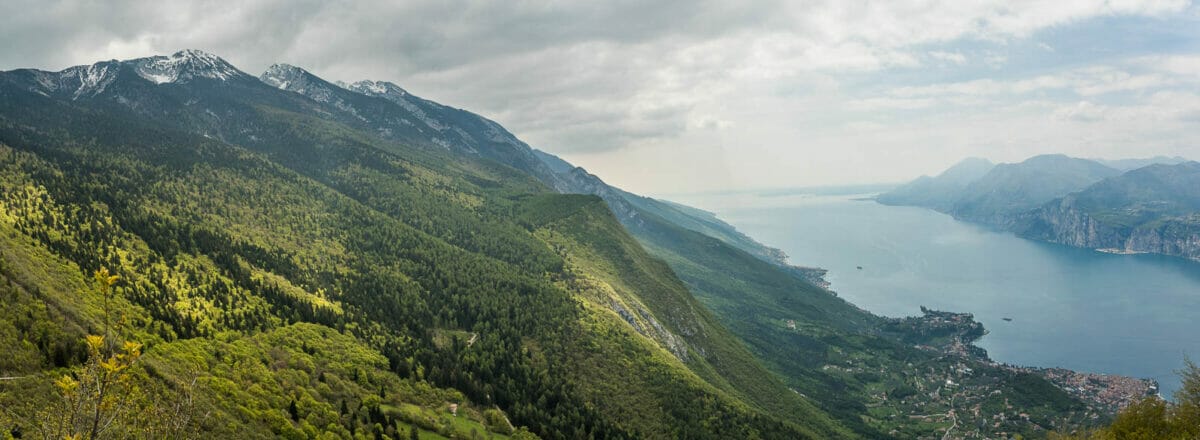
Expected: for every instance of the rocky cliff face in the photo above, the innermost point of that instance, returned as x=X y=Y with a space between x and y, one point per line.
x=1064 y=223
x=579 y=181
x=1154 y=209
x=1178 y=237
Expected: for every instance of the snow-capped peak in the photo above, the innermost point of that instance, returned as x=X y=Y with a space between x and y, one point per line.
x=283 y=76
x=81 y=80
x=378 y=88
x=183 y=66
x=294 y=79
x=391 y=92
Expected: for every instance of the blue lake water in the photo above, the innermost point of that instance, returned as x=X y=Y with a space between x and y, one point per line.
x=1135 y=315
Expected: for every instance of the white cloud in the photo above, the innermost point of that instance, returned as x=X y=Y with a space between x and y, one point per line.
x=949 y=57
x=1083 y=111
x=1085 y=81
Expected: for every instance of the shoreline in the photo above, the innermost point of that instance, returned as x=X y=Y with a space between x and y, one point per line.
x=1106 y=392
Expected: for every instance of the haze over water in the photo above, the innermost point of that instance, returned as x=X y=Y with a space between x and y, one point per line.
x=1135 y=315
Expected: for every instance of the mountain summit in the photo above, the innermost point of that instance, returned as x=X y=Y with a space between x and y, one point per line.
x=184 y=66
x=295 y=79
x=93 y=80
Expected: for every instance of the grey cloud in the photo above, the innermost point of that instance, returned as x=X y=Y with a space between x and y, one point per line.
x=583 y=77
x=539 y=67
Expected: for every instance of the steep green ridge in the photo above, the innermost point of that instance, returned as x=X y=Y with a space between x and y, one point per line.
x=235 y=233
x=585 y=239
x=705 y=223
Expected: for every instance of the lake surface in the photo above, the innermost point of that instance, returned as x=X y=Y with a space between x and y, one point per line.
x=1135 y=315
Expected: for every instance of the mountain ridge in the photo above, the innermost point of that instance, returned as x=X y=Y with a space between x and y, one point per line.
x=301 y=212
x=941 y=191
x=1133 y=206
x=242 y=207
x=1153 y=209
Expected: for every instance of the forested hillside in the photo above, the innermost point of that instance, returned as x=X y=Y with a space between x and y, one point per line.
x=298 y=258
x=251 y=228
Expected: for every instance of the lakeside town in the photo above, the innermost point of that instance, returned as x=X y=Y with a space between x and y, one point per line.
x=969 y=397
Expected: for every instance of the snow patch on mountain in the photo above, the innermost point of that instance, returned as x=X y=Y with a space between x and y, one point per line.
x=378 y=88
x=394 y=93
x=294 y=79
x=92 y=80
x=88 y=80
x=183 y=66
x=287 y=77
x=496 y=133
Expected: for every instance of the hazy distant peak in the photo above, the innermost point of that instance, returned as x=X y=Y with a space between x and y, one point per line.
x=1046 y=158
x=1052 y=164
x=967 y=169
x=1131 y=164
x=974 y=161
x=1059 y=164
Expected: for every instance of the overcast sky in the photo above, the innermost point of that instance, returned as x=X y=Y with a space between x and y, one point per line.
x=681 y=96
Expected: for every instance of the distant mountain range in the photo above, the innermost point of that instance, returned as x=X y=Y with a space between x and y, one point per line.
x=1128 y=206
x=1132 y=164
x=939 y=192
